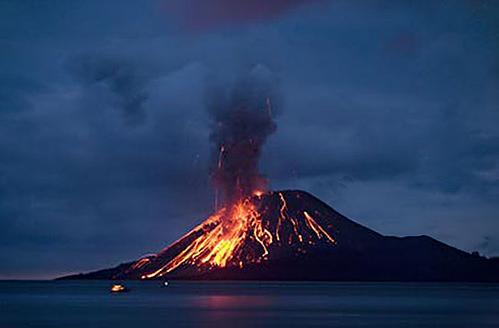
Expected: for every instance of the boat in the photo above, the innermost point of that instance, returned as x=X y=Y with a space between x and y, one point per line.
x=118 y=288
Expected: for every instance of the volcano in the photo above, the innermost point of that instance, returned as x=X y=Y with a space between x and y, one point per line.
x=292 y=235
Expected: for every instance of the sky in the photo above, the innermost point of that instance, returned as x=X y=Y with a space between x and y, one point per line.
x=388 y=111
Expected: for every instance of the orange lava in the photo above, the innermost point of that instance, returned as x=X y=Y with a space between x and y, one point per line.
x=222 y=237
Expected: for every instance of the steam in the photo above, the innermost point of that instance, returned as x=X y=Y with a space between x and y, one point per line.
x=242 y=120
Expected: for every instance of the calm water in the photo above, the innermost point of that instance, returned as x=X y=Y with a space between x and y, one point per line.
x=89 y=304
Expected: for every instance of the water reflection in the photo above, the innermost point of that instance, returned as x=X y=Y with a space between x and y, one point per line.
x=82 y=304
x=233 y=310
x=228 y=302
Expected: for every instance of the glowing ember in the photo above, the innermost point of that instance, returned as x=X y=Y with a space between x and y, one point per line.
x=258 y=193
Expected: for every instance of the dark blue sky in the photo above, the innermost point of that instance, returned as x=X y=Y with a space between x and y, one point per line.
x=389 y=112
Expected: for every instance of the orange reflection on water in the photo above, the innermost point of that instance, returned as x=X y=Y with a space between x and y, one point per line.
x=221 y=302
x=229 y=311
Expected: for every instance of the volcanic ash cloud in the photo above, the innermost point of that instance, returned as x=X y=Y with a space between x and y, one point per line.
x=242 y=119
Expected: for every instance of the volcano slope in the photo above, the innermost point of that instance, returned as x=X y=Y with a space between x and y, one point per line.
x=292 y=235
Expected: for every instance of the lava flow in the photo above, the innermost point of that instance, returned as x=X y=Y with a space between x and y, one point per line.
x=253 y=230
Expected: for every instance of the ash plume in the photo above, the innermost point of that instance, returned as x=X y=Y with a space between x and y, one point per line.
x=242 y=120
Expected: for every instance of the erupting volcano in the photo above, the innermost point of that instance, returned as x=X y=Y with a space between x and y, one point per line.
x=250 y=225
x=284 y=235
x=291 y=235
x=252 y=231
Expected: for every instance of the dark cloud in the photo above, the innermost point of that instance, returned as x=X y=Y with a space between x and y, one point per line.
x=14 y=91
x=121 y=77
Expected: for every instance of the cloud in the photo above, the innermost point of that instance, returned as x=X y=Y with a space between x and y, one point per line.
x=121 y=77
x=201 y=15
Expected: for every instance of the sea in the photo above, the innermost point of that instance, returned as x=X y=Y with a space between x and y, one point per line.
x=247 y=304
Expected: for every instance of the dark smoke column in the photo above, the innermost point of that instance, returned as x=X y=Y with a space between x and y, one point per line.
x=242 y=120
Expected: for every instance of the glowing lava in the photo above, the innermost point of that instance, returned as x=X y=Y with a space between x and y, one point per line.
x=236 y=236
